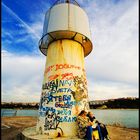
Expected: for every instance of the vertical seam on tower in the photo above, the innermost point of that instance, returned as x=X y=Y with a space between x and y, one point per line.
x=68 y=15
x=47 y=27
x=49 y=18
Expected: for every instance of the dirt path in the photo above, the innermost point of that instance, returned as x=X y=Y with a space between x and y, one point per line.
x=120 y=133
x=13 y=126
x=16 y=124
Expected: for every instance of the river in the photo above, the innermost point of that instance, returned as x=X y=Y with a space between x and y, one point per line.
x=125 y=117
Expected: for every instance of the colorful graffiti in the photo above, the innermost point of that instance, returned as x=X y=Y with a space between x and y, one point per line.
x=51 y=120
x=81 y=91
x=61 y=66
x=64 y=86
x=54 y=84
x=58 y=112
x=60 y=94
x=67 y=76
x=64 y=89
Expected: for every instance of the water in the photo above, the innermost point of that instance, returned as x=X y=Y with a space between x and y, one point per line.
x=124 y=117
x=11 y=112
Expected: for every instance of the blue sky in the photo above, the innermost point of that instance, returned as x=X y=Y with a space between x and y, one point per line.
x=112 y=67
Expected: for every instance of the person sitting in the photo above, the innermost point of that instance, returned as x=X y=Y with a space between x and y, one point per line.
x=85 y=126
x=103 y=133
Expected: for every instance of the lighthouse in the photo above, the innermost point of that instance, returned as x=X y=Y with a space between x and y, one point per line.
x=66 y=40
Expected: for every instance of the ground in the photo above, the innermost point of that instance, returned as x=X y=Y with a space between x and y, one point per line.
x=13 y=126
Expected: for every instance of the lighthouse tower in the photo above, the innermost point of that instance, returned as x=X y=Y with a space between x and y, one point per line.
x=66 y=40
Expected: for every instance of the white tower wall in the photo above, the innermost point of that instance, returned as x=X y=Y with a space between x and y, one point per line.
x=66 y=21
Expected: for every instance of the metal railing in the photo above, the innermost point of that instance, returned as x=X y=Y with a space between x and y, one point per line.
x=66 y=1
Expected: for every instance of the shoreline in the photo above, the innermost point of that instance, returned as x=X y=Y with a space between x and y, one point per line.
x=108 y=121
x=113 y=125
x=13 y=126
x=90 y=108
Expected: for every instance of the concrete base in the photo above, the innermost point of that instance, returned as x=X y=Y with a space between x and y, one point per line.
x=31 y=134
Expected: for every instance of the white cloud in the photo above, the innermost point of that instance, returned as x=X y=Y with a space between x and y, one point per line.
x=22 y=77
x=99 y=90
x=38 y=27
x=115 y=54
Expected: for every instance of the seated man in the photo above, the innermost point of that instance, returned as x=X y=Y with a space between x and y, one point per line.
x=100 y=126
x=85 y=126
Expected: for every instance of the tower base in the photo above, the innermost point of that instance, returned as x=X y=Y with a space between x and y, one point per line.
x=31 y=134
